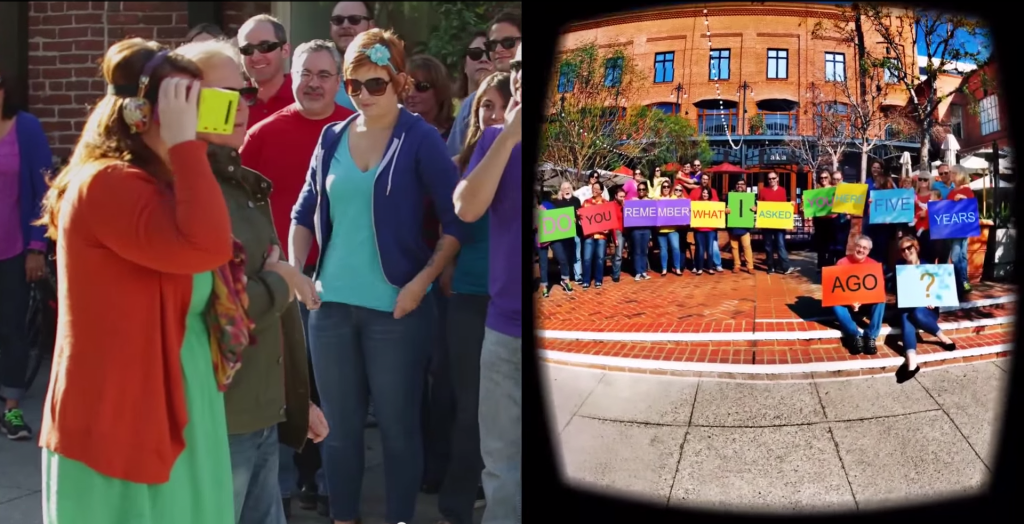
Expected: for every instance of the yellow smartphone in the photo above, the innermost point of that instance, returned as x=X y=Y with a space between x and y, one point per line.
x=217 y=110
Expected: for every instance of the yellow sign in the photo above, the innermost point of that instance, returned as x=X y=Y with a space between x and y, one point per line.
x=705 y=213
x=850 y=199
x=217 y=109
x=775 y=215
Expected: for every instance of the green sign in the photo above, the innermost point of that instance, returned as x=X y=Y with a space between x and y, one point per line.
x=740 y=214
x=556 y=224
x=818 y=202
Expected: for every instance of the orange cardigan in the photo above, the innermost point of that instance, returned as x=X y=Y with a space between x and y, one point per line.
x=127 y=250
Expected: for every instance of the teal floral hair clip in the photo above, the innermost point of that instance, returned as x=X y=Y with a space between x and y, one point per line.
x=380 y=55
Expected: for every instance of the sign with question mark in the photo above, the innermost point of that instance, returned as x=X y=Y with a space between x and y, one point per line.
x=925 y=285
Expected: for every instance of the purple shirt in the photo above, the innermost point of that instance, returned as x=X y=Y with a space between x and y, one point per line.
x=11 y=240
x=505 y=312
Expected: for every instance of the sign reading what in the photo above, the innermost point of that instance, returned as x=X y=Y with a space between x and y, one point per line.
x=892 y=206
x=651 y=213
x=850 y=199
x=850 y=284
x=818 y=202
x=953 y=219
x=704 y=213
x=602 y=217
x=557 y=224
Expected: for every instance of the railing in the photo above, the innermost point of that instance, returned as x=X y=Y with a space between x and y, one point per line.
x=779 y=124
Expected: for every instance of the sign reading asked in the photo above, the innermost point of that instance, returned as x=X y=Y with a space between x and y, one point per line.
x=775 y=215
x=602 y=217
x=557 y=224
x=852 y=284
x=953 y=219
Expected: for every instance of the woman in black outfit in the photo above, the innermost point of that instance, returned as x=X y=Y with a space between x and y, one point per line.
x=565 y=249
x=824 y=228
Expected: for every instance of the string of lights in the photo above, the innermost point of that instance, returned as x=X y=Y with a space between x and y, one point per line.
x=718 y=86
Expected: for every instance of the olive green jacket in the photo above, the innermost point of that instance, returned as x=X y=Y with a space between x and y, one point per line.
x=272 y=386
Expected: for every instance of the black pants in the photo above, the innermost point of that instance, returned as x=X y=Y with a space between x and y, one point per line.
x=14 y=294
x=824 y=238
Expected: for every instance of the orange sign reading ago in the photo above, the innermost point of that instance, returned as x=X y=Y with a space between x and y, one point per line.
x=852 y=284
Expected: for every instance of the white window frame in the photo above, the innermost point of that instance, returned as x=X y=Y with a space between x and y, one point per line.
x=988 y=114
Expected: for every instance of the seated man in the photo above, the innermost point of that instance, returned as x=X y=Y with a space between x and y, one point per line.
x=856 y=340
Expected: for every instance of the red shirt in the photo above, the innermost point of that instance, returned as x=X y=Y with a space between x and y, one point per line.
x=768 y=194
x=280 y=149
x=280 y=100
x=849 y=260
x=922 y=213
x=962 y=190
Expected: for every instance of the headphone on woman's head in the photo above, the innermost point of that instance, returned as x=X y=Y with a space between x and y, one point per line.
x=137 y=110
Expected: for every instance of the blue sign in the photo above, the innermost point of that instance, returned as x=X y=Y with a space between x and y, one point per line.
x=953 y=218
x=892 y=206
x=925 y=285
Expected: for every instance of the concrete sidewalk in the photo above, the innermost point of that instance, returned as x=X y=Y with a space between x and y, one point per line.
x=834 y=445
x=20 y=483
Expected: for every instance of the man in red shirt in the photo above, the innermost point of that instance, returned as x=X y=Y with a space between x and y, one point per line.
x=854 y=339
x=263 y=43
x=775 y=239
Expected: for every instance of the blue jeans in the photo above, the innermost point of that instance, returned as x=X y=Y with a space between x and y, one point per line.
x=542 y=261
x=593 y=260
x=716 y=252
x=254 y=461
x=359 y=352
x=913 y=319
x=704 y=260
x=465 y=326
x=958 y=257
x=640 y=240
x=578 y=264
x=501 y=428
x=876 y=313
x=288 y=472
x=775 y=242
x=670 y=241
x=617 y=257
x=563 y=253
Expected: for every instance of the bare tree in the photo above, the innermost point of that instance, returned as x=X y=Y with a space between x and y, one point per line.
x=829 y=132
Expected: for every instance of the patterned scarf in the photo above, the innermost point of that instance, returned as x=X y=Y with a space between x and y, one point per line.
x=227 y=318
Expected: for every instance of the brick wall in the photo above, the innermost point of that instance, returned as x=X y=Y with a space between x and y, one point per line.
x=67 y=41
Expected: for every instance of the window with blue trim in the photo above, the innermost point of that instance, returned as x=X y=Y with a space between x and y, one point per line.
x=719 y=67
x=613 y=72
x=664 y=67
x=566 y=78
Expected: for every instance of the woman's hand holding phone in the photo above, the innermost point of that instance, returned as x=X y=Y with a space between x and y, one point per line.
x=178 y=110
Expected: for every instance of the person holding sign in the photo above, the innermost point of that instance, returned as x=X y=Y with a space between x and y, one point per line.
x=919 y=318
x=571 y=246
x=704 y=236
x=640 y=239
x=775 y=239
x=594 y=244
x=857 y=340
x=617 y=237
x=824 y=226
x=740 y=236
x=714 y=262
x=668 y=236
x=958 y=246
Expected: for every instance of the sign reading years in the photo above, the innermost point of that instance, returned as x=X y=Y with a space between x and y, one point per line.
x=775 y=215
x=740 y=214
x=705 y=213
x=924 y=285
x=892 y=206
x=556 y=224
x=650 y=213
x=602 y=217
x=850 y=199
x=818 y=202
x=953 y=219
x=850 y=284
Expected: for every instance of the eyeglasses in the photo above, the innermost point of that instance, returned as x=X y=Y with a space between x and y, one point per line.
x=374 y=86
x=247 y=94
x=772 y=178
x=421 y=87
x=477 y=54
x=509 y=42
x=641 y=190
x=262 y=47
x=907 y=249
x=679 y=190
x=515 y=66
x=337 y=20
x=666 y=187
x=322 y=76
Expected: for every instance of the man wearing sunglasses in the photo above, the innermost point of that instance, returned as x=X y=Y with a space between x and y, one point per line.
x=504 y=36
x=263 y=43
x=348 y=19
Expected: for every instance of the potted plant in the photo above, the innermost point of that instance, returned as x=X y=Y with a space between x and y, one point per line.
x=757 y=124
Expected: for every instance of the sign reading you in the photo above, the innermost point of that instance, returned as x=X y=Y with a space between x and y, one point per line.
x=818 y=202
x=602 y=217
x=651 y=213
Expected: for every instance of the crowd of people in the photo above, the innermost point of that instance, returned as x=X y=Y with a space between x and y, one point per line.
x=581 y=259
x=218 y=346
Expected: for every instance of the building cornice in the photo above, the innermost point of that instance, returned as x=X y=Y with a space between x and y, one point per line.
x=758 y=9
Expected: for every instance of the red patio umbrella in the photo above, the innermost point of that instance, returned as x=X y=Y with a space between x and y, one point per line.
x=623 y=170
x=727 y=168
x=671 y=167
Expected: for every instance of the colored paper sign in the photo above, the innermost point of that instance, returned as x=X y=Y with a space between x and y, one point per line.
x=650 y=213
x=556 y=224
x=892 y=206
x=850 y=199
x=818 y=202
x=852 y=284
x=953 y=219
x=602 y=217
x=740 y=214
x=217 y=109
x=704 y=213
x=775 y=215
x=926 y=285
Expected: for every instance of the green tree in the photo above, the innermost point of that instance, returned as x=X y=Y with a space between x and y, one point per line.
x=454 y=23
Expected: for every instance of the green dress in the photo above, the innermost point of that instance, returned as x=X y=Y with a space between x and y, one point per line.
x=200 y=488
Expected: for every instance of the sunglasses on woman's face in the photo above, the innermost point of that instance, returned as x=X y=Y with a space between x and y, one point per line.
x=247 y=94
x=907 y=249
x=374 y=86
x=262 y=47
x=477 y=54
x=509 y=42
x=421 y=87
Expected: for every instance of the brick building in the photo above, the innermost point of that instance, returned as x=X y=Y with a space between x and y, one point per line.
x=991 y=122
x=770 y=47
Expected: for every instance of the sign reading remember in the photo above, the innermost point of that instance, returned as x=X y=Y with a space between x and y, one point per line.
x=953 y=219
x=651 y=213
x=850 y=284
x=850 y=199
x=704 y=213
x=557 y=224
x=775 y=215
x=925 y=285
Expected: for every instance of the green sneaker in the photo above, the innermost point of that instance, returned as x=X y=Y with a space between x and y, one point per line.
x=13 y=424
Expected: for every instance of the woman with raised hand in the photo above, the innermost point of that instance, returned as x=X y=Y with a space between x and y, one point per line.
x=133 y=424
